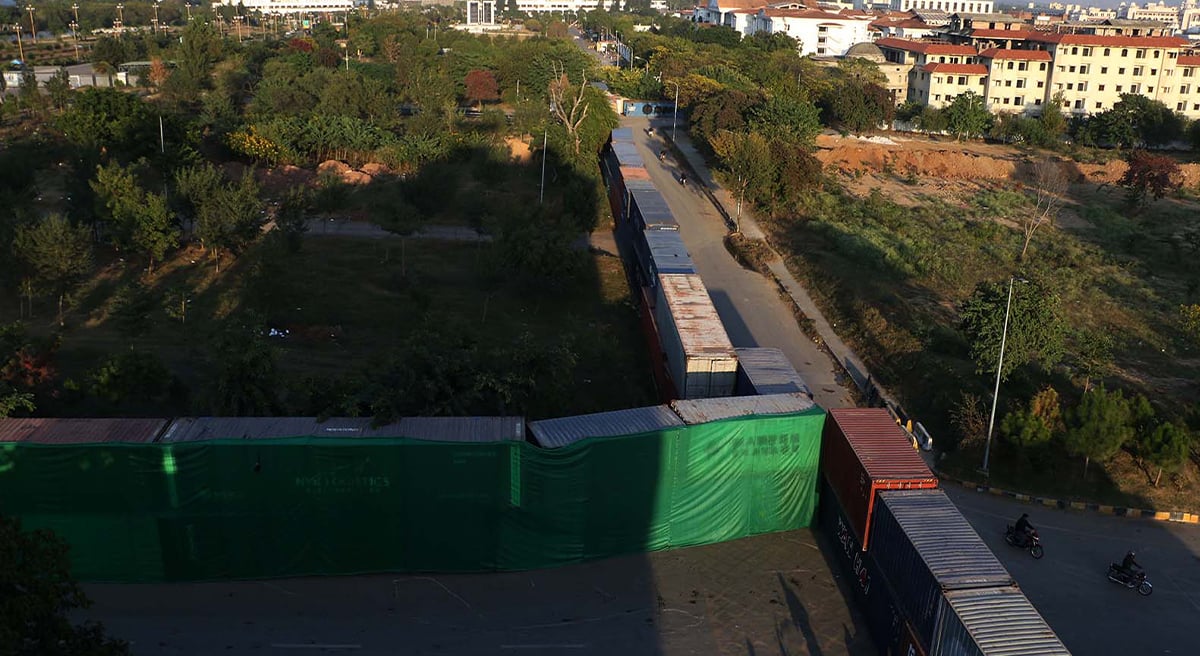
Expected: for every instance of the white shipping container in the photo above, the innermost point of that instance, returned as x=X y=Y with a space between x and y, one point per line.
x=700 y=358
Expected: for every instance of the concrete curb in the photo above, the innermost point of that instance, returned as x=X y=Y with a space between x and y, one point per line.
x=1064 y=504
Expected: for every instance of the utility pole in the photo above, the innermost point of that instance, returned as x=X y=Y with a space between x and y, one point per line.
x=32 y=24
x=675 y=116
x=999 y=368
x=545 y=141
x=120 y=24
x=20 y=46
x=75 y=33
x=156 y=15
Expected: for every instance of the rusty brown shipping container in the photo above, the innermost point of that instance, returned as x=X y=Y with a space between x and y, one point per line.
x=44 y=430
x=863 y=451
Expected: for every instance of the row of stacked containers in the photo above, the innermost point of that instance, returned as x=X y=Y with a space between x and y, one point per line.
x=924 y=579
x=690 y=349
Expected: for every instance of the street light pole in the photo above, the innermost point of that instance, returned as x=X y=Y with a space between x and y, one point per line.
x=32 y=24
x=156 y=15
x=120 y=24
x=75 y=34
x=675 y=116
x=987 y=449
x=20 y=46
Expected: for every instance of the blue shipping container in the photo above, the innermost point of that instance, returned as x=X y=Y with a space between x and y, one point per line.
x=870 y=590
x=925 y=547
x=649 y=210
x=622 y=135
x=628 y=156
x=993 y=622
x=661 y=251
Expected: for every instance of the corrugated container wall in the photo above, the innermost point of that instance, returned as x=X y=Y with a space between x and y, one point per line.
x=555 y=433
x=869 y=589
x=434 y=429
x=864 y=451
x=995 y=622
x=700 y=359
x=767 y=371
x=925 y=547
x=701 y=411
x=46 y=430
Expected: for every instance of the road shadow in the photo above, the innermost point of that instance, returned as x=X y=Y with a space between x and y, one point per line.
x=739 y=332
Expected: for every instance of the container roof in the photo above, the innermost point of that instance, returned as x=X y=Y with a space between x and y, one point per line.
x=43 y=430
x=1003 y=622
x=951 y=549
x=880 y=444
x=698 y=324
x=770 y=371
x=441 y=429
x=553 y=433
x=700 y=411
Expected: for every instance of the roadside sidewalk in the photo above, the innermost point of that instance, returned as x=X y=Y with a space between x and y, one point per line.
x=721 y=197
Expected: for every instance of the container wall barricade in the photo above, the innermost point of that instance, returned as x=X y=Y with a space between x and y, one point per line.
x=230 y=509
x=926 y=547
x=864 y=451
x=993 y=622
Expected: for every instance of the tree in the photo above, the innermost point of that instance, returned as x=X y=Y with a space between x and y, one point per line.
x=1189 y=321
x=1166 y=447
x=107 y=119
x=1036 y=333
x=1093 y=354
x=58 y=253
x=141 y=222
x=1052 y=121
x=746 y=159
x=858 y=107
x=967 y=116
x=1099 y=426
x=1147 y=174
x=568 y=108
x=291 y=218
x=39 y=593
x=243 y=370
x=789 y=117
x=58 y=87
x=481 y=85
x=1049 y=184
x=230 y=218
x=131 y=375
x=862 y=71
x=198 y=51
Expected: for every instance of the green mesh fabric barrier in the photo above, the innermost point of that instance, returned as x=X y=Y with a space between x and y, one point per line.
x=301 y=506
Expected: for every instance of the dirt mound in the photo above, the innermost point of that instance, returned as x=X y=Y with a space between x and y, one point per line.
x=344 y=173
x=519 y=149
x=857 y=156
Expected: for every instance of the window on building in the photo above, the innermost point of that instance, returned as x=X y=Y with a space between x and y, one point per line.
x=1062 y=69
x=1137 y=70
x=1099 y=105
x=1140 y=54
x=1156 y=54
x=1074 y=51
x=1019 y=100
x=1083 y=69
x=1041 y=84
x=1087 y=52
x=1083 y=86
x=1166 y=90
x=1149 y=89
x=822 y=28
x=1154 y=71
x=1037 y=101
x=1008 y=83
x=1119 y=88
x=1071 y=69
x=937 y=80
x=1100 y=87
x=1042 y=66
x=1187 y=72
x=937 y=96
x=1107 y=52
x=1185 y=88
x=1104 y=70
x=996 y=83
x=1020 y=84
x=962 y=81
x=820 y=51
x=1078 y=104
x=1179 y=107
x=1196 y=107
x=1070 y=86
x=1135 y=88
x=995 y=100
x=982 y=82
x=1124 y=52
x=1006 y=101
x=1023 y=66
x=1171 y=54
x=1120 y=71
x=1010 y=66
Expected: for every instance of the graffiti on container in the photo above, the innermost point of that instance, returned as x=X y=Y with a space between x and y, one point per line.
x=332 y=483
x=761 y=445
x=855 y=555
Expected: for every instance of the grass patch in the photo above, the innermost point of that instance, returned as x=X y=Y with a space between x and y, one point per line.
x=754 y=254
x=347 y=302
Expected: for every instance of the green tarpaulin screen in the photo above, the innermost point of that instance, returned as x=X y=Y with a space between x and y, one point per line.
x=301 y=506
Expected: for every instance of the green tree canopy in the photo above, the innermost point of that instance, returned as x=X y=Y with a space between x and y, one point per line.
x=1099 y=426
x=967 y=116
x=1036 y=332
x=58 y=254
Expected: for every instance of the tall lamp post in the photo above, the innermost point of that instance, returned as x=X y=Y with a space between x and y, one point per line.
x=20 y=46
x=675 y=116
x=987 y=449
x=120 y=24
x=32 y=24
x=75 y=33
x=156 y=15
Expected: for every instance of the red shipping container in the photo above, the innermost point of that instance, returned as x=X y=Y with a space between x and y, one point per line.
x=863 y=451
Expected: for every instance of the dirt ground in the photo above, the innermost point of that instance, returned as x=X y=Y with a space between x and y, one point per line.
x=907 y=169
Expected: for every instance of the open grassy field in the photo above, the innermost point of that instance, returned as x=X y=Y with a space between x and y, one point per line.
x=891 y=254
x=347 y=303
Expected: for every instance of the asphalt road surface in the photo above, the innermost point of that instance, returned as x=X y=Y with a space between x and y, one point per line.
x=1069 y=586
x=766 y=595
x=749 y=305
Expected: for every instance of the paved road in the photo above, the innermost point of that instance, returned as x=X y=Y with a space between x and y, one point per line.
x=749 y=305
x=759 y=596
x=1068 y=586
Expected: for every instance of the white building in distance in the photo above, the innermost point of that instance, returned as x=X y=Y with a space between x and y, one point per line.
x=290 y=6
x=819 y=32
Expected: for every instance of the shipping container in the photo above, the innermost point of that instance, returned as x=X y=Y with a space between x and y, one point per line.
x=925 y=547
x=661 y=251
x=993 y=622
x=649 y=210
x=453 y=429
x=864 y=451
x=700 y=411
x=437 y=429
x=767 y=371
x=658 y=362
x=45 y=430
x=699 y=357
x=622 y=135
x=628 y=156
x=869 y=589
x=556 y=433
x=634 y=183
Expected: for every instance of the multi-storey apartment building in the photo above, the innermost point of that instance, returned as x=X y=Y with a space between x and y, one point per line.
x=818 y=32
x=1016 y=79
x=1152 y=11
x=948 y=6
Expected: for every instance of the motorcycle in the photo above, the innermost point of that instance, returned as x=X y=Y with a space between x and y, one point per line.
x=1135 y=582
x=1033 y=542
x=683 y=180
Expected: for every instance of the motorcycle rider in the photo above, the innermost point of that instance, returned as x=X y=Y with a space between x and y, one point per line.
x=1023 y=529
x=1130 y=566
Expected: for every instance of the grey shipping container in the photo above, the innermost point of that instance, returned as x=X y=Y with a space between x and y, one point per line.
x=47 y=430
x=699 y=357
x=764 y=370
x=627 y=155
x=554 y=433
x=649 y=210
x=622 y=135
x=439 y=429
x=925 y=547
x=993 y=622
x=661 y=251
x=699 y=411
